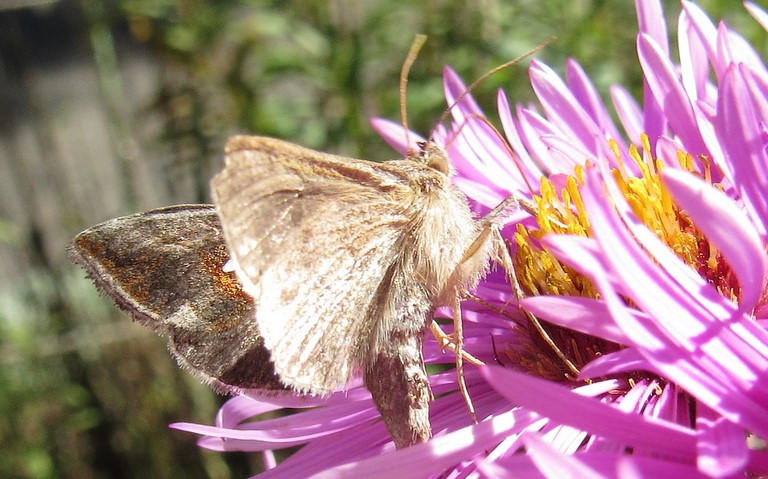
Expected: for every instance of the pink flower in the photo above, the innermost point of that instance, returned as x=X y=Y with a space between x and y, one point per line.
x=646 y=258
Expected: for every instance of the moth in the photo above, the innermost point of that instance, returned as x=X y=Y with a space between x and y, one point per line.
x=338 y=266
x=310 y=269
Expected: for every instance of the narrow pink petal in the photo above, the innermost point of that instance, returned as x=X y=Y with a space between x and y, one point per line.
x=556 y=464
x=670 y=94
x=318 y=456
x=623 y=361
x=721 y=444
x=629 y=113
x=650 y=19
x=742 y=132
x=561 y=405
x=706 y=32
x=586 y=315
x=394 y=134
x=733 y=48
x=296 y=428
x=757 y=83
x=479 y=192
x=600 y=388
x=437 y=454
x=727 y=227
x=479 y=148
x=562 y=108
x=221 y=439
x=569 y=153
x=529 y=168
x=586 y=94
x=532 y=126
x=694 y=63
x=240 y=408
x=455 y=87
x=673 y=406
x=521 y=466
x=757 y=13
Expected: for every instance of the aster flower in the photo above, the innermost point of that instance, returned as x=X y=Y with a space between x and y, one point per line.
x=644 y=255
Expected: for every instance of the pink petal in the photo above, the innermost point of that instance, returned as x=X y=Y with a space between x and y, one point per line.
x=532 y=127
x=437 y=454
x=626 y=360
x=742 y=134
x=651 y=20
x=394 y=134
x=528 y=166
x=757 y=13
x=705 y=31
x=722 y=448
x=733 y=48
x=555 y=464
x=727 y=227
x=694 y=63
x=670 y=95
x=454 y=87
x=586 y=94
x=562 y=108
x=585 y=315
x=561 y=405
x=629 y=113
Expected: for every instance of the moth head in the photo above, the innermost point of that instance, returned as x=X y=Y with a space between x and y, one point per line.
x=434 y=156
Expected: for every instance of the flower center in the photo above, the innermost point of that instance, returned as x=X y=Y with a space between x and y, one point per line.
x=561 y=211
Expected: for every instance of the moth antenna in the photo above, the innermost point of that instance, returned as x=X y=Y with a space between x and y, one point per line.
x=491 y=72
x=413 y=52
x=512 y=154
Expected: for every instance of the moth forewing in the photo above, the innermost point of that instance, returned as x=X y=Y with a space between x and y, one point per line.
x=311 y=249
x=346 y=260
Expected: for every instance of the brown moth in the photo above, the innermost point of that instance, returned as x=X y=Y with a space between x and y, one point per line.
x=341 y=261
x=340 y=264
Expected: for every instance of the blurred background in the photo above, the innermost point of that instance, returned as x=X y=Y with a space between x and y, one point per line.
x=113 y=107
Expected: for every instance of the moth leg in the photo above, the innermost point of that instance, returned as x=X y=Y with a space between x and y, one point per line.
x=458 y=331
x=448 y=342
x=489 y=243
x=473 y=260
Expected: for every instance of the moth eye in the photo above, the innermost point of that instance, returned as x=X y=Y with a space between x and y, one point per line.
x=434 y=156
x=439 y=163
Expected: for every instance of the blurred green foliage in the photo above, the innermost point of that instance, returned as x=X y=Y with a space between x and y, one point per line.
x=82 y=395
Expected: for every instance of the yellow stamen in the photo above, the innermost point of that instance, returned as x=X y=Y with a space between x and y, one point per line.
x=562 y=212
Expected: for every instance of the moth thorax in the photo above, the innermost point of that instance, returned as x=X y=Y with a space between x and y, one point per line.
x=447 y=230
